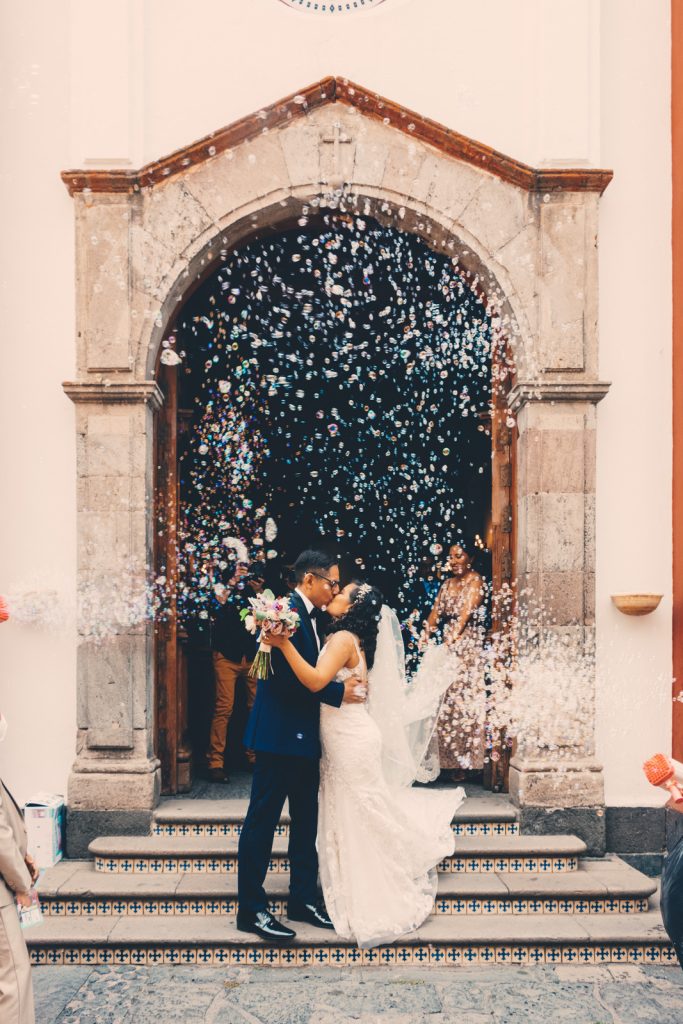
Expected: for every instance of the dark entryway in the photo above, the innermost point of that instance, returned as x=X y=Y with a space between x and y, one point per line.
x=334 y=386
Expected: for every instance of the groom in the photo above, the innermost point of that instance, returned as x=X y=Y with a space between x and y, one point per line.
x=283 y=729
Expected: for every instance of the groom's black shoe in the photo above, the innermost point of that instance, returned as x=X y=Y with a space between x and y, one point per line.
x=312 y=913
x=264 y=924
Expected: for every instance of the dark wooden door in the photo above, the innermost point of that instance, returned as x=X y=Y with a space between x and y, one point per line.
x=172 y=744
x=503 y=434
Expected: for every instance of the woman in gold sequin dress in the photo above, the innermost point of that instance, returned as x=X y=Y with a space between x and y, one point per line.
x=457 y=616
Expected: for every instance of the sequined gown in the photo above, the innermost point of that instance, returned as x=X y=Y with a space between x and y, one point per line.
x=378 y=846
x=461 y=722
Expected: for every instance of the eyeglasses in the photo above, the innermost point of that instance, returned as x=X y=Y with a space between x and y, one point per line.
x=333 y=584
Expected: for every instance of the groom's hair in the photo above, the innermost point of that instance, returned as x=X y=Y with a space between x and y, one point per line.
x=312 y=561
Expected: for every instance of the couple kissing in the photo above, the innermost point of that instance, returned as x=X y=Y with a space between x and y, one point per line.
x=334 y=736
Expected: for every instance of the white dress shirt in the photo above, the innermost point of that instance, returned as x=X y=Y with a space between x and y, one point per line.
x=309 y=608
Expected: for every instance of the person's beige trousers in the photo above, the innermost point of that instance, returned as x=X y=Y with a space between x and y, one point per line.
x=16 y=989
x=226 y=674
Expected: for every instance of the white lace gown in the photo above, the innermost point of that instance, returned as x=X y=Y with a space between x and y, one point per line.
x=378 y=846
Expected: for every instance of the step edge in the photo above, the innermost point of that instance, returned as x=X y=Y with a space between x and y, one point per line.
x=230 y=941
x=130 y=845
x=597 y=888
x=531 y=892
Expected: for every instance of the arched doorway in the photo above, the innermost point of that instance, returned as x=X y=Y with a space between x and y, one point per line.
x=340 y=382
x=145 y=238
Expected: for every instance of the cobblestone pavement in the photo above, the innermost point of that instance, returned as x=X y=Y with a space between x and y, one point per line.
x=185 y=995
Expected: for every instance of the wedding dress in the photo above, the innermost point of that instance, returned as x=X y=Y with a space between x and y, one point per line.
x=379 y=842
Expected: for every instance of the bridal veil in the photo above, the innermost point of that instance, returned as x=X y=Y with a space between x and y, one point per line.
x=406 y=713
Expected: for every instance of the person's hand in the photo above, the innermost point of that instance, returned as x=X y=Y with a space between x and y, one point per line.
x=355 y=691
x=240 y=572
x=32 y=867
x=23 y=899
x=275 y=640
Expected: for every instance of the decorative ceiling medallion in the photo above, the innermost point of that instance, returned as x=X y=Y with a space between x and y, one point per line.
x=332 y=6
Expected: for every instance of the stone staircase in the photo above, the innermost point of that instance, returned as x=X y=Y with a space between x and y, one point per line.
x=171 y=897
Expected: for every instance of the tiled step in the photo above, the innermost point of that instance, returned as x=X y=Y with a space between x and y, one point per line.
x=218 y=855
x=489 y=816
x=443 y=940
x=598 y=887
x=228 y=828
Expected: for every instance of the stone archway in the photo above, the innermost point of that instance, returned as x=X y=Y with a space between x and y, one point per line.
x=143 y=238
x=179 y=737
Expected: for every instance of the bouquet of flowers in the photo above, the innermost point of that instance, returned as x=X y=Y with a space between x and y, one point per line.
x=273 y=614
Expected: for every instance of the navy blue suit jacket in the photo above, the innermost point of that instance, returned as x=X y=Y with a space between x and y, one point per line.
x=285 y=718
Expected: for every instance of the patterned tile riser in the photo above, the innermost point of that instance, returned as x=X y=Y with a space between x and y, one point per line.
x=232 y=830
x=278 y=864
x=448 y=906
x=320 y=956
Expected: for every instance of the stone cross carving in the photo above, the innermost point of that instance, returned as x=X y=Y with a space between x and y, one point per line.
x=338 y=139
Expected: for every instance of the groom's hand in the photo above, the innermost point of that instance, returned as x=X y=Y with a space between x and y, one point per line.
x=355 y=691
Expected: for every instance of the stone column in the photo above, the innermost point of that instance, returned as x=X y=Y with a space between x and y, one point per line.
x=115 y=780
x=554 y=777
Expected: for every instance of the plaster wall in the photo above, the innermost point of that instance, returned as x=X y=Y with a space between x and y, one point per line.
x=37 y=439
x=634 y=421
x=546 y=81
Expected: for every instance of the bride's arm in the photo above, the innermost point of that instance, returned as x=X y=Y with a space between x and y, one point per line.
x=315 y=677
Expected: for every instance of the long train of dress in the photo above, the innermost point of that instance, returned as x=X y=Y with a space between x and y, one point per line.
x=378 y=845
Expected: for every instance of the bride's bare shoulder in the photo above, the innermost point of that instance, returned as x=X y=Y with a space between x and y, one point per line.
x=342 y=638
x=346 y=647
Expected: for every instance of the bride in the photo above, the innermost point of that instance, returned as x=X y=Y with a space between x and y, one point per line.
x=379 y=841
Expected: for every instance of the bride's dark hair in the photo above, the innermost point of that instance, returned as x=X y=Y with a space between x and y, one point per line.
x=362 y=618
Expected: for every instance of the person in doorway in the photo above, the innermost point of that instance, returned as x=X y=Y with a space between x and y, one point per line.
x=457 y=616
x=233 y=653
x=289 y=578
x=419 y=600
x=284 y=731
x=18 y=873
x=422 y=591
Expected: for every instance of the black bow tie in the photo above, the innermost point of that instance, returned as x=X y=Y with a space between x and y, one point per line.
x=316 y=614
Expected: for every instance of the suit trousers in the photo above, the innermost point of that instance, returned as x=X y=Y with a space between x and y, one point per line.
x=226 y=675
x=279 y=777
x=16 y=987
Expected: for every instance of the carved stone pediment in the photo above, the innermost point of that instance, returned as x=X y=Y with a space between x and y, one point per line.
x=333 y=90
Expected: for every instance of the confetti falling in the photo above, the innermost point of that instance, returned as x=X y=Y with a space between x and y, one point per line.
x=338 y=383
x=335 y=385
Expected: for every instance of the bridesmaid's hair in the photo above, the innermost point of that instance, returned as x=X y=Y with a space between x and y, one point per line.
x=362 y=618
